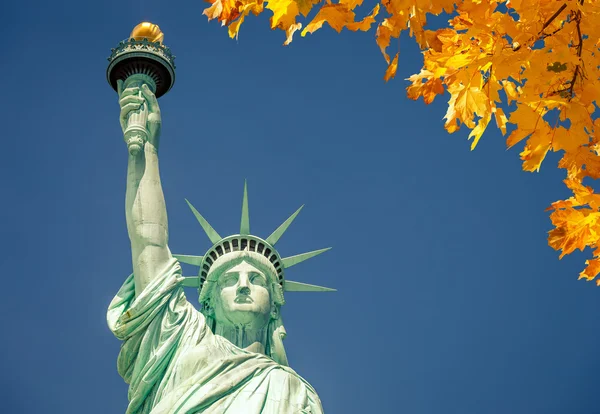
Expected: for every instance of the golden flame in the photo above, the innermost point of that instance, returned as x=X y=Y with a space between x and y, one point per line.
x=148 y=31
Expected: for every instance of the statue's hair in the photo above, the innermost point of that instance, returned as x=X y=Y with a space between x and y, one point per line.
x=276 y=331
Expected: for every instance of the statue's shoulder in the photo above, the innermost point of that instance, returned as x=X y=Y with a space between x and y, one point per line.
x=286 y=384
x=286 y=374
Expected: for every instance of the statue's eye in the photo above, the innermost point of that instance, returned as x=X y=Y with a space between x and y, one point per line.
x=229 y=279
x=258 y=279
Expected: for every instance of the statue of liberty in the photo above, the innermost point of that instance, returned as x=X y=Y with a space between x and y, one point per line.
x=229 y=356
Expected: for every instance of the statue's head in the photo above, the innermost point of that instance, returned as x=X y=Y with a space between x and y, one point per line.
x=242 y=279
x=242 y=291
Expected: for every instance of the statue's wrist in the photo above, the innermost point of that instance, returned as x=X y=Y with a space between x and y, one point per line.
x=151 y=146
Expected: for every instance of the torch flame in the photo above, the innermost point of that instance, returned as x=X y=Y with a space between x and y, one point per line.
x=147 y=30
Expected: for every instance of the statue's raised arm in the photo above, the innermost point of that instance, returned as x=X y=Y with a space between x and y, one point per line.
x=144 y=201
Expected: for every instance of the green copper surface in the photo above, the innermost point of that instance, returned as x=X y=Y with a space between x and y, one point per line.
x=193 y=260
x=276 y=235
x=291 y=286
x=294 y=260
x=227 y=357
x=210 y=232
x=245 y=223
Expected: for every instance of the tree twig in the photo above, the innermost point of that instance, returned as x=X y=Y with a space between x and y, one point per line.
x=579 y=50
x=541 y=35
x=551 y=19
x=578 y=72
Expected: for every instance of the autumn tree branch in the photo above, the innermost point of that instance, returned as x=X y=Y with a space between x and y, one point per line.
x=554 y=16
x=541 y=35
x=578 y=72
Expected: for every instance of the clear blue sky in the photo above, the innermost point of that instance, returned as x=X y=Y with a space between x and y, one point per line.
x=449 y=301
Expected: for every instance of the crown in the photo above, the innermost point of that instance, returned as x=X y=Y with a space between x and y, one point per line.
x=244 y=241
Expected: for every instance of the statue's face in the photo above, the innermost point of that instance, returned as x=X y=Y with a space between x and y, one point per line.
x=243 y=297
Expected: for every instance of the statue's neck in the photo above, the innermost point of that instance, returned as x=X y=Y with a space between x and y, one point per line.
x=253 y=340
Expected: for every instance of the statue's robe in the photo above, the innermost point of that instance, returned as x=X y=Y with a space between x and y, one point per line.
x=175 y=364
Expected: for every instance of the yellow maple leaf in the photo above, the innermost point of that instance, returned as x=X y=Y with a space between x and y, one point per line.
x=428 y=90
x=290 y=32
x=224 y=11
x=383 y=36
x=581 y=162
x=591 y=270
x=339 y=16
x=214 y=11
x=305 y=6
x=417 y=21
x=569 y=139
x=501 y=119
x=511 y=90
x=365 y=24
x=569 y=202
x=574 y=229
x=390 y=73
x=535 y=150
x=478 y=131
x=591 y=92
x=390 y=27
x=234 y=27
x=583 y=194
x=284 y=13
x=351 y=4
x=464 y=103
x=528 y=120
x=432 y=40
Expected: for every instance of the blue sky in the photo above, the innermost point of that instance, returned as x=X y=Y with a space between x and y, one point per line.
x=449 y=298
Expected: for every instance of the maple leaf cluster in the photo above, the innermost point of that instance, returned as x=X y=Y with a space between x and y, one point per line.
x=533 y=64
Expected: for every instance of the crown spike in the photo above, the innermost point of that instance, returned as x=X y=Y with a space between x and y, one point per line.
x=294 y=260
x=245 y=224
x=193 y=260
x=191 y=281
x=291 y=286
x=210 y=232
x=276 y=235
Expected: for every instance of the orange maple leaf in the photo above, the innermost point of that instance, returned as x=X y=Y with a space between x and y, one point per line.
x=390 y=73
x=339 y=16
x=426 y=85
x=574 y=229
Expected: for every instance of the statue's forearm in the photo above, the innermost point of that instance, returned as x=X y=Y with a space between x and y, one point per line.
x=145 y=202
x=146 y=216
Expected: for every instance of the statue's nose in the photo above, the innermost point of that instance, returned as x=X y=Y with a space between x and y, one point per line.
x=243 y=290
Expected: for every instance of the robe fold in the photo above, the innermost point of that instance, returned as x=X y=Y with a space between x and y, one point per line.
x=175 y=364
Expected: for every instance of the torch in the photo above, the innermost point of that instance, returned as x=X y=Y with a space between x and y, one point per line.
x=141 y=59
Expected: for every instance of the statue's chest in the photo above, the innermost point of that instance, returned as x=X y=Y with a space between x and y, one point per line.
x=200 y=358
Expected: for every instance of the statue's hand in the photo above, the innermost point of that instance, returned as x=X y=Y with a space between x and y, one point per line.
x=130 y=100
x=154 y=119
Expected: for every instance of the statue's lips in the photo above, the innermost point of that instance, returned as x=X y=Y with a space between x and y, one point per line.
x=243 y=299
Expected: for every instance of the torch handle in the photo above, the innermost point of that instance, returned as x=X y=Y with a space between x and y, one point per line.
x=136 y=133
